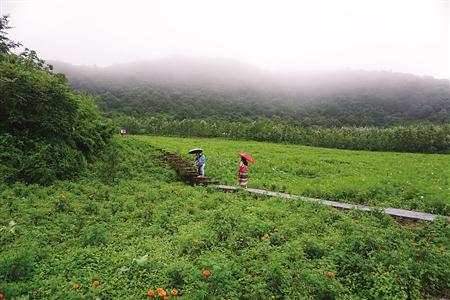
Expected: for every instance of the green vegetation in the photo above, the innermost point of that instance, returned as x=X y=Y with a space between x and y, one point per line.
x=413 y=138
x=127 y=226
x=86 y=217
x=357 y=110
x=402 y=180
x=230 y=91
x=47 y=131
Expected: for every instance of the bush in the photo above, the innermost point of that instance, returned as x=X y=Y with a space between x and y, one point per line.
x=17 y=264
x=47 y=131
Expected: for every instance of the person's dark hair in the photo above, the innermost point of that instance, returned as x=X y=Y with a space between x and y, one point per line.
x=244 y=161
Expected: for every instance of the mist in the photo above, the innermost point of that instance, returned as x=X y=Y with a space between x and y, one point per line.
x=407 y=36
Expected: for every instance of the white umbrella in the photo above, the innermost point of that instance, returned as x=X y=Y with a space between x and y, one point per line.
x=195 y=150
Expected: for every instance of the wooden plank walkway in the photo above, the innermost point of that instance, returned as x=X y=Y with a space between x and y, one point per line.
x=395 y=212
x=187 y=173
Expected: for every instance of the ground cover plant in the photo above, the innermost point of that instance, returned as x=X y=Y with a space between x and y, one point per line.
x=403 y=180
x=128 y=230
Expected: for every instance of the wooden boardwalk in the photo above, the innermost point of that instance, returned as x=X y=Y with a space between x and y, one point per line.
x=395 y=212
x=186 y=172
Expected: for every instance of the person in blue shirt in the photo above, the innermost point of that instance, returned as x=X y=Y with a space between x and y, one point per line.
x=200 y=161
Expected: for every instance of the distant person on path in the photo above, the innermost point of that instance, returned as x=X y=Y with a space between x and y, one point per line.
x=200 y=161
x=243 y=173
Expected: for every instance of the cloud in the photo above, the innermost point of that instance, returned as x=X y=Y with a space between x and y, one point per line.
x=399 y=35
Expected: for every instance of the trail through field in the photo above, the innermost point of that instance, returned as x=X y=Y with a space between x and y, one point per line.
x=185 y=172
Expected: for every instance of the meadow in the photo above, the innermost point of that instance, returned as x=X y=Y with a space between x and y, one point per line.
x=385 y=179
x=128 y=229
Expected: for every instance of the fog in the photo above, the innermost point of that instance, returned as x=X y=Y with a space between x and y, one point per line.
x=409 y=36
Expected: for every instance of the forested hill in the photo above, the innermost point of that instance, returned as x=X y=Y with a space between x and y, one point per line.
x=230 y=90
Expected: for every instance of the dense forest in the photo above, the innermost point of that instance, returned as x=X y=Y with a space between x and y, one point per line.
x=188 y=88
x=359 y=110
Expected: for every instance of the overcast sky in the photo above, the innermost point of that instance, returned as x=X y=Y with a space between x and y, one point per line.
x=409 y=36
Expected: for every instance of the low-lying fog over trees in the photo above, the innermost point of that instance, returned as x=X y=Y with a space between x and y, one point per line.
x=228 y=89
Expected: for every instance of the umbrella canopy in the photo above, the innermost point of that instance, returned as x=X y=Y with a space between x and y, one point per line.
x=195 y=150
x=247 y=156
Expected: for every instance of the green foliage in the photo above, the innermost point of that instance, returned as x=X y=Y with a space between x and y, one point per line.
x=95 y=235
x=265 y=248
x=6 y=45
x=47 y=131
x=17 y=265
x=330 y=99
x=403 y=180
x=425 y=138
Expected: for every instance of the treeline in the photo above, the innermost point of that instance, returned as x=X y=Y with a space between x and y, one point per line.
x=425 y=138
x=47 y=130
x=329 y=99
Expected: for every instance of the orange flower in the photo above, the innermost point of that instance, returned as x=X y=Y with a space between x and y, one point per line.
x=174 y=292
x=151 y=293
x=206 y=273
x=266 y=236
x=166 y=297
x=330 y=274
x=2 y=296
x=282 y=237
x=161 y=292
x=95 y=282
x=75 y=286
x=276 y=230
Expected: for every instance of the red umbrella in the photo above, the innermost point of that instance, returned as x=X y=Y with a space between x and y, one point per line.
x=247 y=156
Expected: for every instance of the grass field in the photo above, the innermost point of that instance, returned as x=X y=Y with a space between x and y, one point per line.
x=128 y=227
x=402 y=180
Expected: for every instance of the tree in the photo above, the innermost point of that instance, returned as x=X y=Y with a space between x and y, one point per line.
x=6 y=45
x=47 y=130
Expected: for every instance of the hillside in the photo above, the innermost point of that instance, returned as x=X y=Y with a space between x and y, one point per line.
x=128 y=227
x=48 y=131
x=230 y=90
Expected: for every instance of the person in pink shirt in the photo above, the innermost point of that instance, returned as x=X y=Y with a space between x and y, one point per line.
x=243 y=173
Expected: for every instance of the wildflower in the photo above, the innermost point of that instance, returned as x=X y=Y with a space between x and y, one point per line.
x=161 y=292
x=174 y=292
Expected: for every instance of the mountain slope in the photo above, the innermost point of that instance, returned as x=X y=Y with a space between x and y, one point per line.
x=226 y=89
